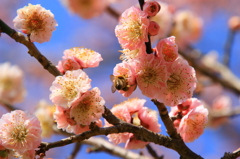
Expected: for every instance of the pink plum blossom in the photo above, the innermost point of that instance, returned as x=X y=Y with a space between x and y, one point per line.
x=44 y=113
x=151 y=75
x=69 y=88
x=192 y=125
x=20 y=131
x=180 y=83
x=125 y=70
x=187 y=28
x=153 y=28
x=132 y=31
x=11 y=84
x=130 y=55
x=151 y=8
x=85 y=57
x=86 y=8
x=68 y=64
x=35 y=21
x=167 y=49
x=88 y=108
x=191 y=118
x=64 y=122
x=132 y=111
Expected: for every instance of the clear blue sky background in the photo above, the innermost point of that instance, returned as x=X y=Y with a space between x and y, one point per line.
x=98 y=34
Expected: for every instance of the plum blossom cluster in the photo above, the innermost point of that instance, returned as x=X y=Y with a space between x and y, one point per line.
x=78 y=58
x=190 y=119
x=133 y=111
x=162 y=75
x=76 y=106
x=20 y=135
x=35 y=21
x=12 y=89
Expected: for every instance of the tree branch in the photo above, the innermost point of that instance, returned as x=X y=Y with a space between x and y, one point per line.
x=233 y=155
x=75 y=150
x=214 y=70
x=153 y=152
x=32 y=50
x=228 y=47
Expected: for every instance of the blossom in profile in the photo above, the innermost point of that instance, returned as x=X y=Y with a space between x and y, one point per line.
x=125 y=70
x=11 y=84
x=132 y=30
x=85 y=57
x=180 y=83
x=151 y=7
x=35 y=21
x=68 y=64
x=69 y=88
x=88 y=108
x=191 y=119
x=133 y=111
x=64 y=122
x=20 y=131
x=151 y=75
x=44 y=113
x=86 y=8
x=153 y=28
x=187 y=28
x=167 y=49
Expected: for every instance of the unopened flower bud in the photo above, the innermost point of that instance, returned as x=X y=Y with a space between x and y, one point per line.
x=234 y=23
x=153 y=28
x=151 y=8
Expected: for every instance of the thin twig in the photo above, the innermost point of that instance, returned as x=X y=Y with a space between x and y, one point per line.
x=112 y=12
x=101 y=144
x=153 y=152
x=228 y=48
x=75 y=150
x=7 y=106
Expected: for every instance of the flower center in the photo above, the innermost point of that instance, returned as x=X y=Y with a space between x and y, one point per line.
x=69 y=91
x=133 y=28
x=173 y=82
x=149 y=75
x=19 y=134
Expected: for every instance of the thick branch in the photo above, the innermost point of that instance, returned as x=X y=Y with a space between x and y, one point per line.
x=33 y=51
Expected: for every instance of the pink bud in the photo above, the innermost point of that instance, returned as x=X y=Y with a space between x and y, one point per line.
x=151 y=8
x=153 y=28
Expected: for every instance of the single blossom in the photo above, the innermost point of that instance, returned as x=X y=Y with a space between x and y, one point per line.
x=180 y=83
x=191 y=118
x=86 y=8
x=85 y=57
x=153 y=28
x=88 y=108
x=11 y=84
x=64 y=122
x=132 y=30
x=35 y=21
x=167 y=49
x=69 y=88
x=151 y=75
x=192 y=125
x=68 y=64
x=127 y=73
x=132 y=111
x=187 y=28
x=20 y=131
x=151 y=7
